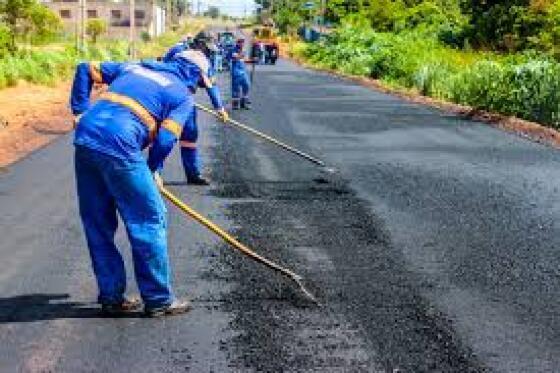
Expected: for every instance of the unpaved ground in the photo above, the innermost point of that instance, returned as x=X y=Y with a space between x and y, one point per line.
x=31 y=116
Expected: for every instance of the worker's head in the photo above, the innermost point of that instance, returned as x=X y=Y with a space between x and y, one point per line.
x=198 y=59
x=203 y=42
x=240 y=42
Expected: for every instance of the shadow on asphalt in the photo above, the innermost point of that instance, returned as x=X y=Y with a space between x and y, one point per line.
x=175 y=183
x=42 y=307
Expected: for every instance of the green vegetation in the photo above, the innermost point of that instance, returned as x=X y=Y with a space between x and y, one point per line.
x=525 y=85
x=51 y=66
x=27 y=20
x=95 y=28
x=500 y=56
x=52 y=63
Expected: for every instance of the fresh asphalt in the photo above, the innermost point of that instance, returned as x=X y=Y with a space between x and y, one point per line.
x=433 y=250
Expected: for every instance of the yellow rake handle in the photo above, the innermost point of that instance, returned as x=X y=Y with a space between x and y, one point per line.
x=264 y=136
x=225 y=236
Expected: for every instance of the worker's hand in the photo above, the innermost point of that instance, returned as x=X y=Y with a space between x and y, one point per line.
x=158 y=180
x=224 y=116
x=75 y=121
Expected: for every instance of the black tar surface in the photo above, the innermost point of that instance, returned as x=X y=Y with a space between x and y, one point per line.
x=434 y=249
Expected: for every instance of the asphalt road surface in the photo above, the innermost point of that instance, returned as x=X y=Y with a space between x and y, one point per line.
x=434 y=250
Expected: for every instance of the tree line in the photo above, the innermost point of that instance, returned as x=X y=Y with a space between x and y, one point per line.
x=503 y=25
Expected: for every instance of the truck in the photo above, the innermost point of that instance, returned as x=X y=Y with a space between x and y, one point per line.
x=265 y=46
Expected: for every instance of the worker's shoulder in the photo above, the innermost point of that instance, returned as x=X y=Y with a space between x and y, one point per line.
x=164 y=79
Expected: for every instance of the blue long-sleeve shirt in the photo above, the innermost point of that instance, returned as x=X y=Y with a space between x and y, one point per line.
x=174 y=50
x=122 y=130
x=235 y=55
x=213 y=91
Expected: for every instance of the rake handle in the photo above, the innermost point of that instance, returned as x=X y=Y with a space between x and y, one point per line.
x=225 y=236
x=265 y=137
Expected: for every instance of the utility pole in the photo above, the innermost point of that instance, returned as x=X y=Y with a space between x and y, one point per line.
x=82 y=24
x=323 y=13
x=132 y=35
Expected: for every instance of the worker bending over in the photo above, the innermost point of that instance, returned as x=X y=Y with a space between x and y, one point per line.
x=146 y=104
x=181 y=46
x=190 y=156
x=239 y=78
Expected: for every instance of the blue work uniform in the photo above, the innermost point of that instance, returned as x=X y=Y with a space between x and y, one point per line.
x=144 y=105
x=216 y=59
x=190 y=156
x=239 y=78
x=228 y=53
x=174 y=50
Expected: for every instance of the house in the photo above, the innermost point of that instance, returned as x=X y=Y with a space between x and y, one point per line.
x=148 y=16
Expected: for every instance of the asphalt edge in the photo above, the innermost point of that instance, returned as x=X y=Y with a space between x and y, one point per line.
x=532 y=131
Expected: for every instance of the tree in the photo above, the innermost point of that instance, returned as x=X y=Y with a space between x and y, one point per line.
x=5 y=40
x=95 y=27
x=43 y=24
x=14 y=12
x=27 y=16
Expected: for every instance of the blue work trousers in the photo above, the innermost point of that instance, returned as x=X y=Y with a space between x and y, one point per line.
x=106 y=185
x=218 y=64
x=190 y=156
x=239 y=86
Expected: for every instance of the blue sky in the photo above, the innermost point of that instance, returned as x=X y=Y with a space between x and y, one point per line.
x=231 y=7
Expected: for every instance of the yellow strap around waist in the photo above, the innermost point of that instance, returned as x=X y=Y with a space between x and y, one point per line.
x=136 y=108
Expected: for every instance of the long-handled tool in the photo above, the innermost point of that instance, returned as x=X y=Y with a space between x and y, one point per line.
x=272 y=140
x=254 y=62
x=297 y=279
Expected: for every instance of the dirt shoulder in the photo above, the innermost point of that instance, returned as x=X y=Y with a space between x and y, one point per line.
x=31 y=116
x=524 y=128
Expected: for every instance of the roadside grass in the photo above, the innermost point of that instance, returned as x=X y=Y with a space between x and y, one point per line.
x=526 y=85
x=55 y=62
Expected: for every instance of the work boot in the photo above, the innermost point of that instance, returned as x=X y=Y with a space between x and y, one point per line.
x=245 y=104
x=235 y=105
x=197 y=180
x=175 y=308
x=127 y=306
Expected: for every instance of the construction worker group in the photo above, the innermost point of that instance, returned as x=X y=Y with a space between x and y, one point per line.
x=148 y=104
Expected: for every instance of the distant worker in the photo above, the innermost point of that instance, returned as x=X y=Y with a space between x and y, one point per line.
x=239 y=78
x=216 y=57
x=190 y=156
x=146 y=103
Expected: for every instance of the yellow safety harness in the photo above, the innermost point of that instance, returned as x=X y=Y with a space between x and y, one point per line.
x=145 y=116
x=141 y=112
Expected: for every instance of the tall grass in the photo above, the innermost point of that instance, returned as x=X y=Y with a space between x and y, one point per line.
x=51 y=66
x=524 y=85
x=54 y=63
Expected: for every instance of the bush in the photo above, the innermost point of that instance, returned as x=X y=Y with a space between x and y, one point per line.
x=50 y=67
x=526 y=85
x=95 y=28
x=529 y=90
x=5 y=40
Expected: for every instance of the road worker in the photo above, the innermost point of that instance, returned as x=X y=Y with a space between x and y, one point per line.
x=239 y=78
x=190 y=155
x=181 y=46
x=146 y=103
x=216 y=57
